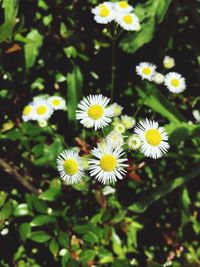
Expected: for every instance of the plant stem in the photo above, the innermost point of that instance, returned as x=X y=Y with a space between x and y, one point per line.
x=143 y=102
x=113 y=68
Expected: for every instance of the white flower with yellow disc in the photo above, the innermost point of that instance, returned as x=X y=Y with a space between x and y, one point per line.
x=42 y=110
x=27 y=113
x=128 y=121
x=134 y=142
x=70 y=167
x=108 y=165
x=115 y=139
x=123 y=6
x=146 y=70
x=104 y=13
x=154 y=139
x=93 y=111
x=57 y=103
x=168 y=62
x=175 y=82
x=128 y=21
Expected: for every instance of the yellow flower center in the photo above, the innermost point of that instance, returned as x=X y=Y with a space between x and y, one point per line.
x=70 y=166
x=95 y=112
x=108 y=163
x=146 y=71
x=175 y=82
x=41 y=110
x=27 y=110
x=153 y=137
x=123 y=4
x=104 y=12
x=56 y=102
x=128 y=19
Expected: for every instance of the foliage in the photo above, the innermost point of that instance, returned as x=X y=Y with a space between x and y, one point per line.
x=150 y=217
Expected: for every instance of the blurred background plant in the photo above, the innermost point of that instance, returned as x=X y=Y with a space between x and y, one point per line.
x=151 y=218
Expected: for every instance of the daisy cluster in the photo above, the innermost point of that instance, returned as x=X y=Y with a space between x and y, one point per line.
x=174 y=81
x=42 y=108
x=120 y=12
x=107 y=162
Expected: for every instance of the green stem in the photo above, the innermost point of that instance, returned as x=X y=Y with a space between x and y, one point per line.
x=143 y=102
x=113 y=68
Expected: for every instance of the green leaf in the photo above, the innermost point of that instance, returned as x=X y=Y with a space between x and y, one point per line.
x=53 y=192
x=75 y=83
x=162 y=191
x=41 y=220
x=87 y=255
x=32 y=47
x=181 y=132
x=133 y=41
x=10 y=9
x=153 y=98
x=6 y=30
x=63 y=239
x=54 y=247
x=162 y=9
x=24 y=231
x=117 y=246
x=3 y=196
x=39 y=237
x=91 y=237
x=21 y=210
x=6 y=211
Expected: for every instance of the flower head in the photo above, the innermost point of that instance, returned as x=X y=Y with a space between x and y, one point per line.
x=93 y=111
x=42 y=110
x=104 y=13
x=27 y=113
x=128 y=21
x=146 y=70
x=175 y=82
x=154 y=139
x=123 y=6
x=115 y=139
x=134 y=142
x=128 y=121
x=57 y=103
x=70 y=167
x=120 y=128
x=117 y=109
x=158 y=78
x=108 y=165
x=168 y=62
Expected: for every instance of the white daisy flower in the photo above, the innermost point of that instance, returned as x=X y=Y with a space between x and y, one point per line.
x=115 y=139
x=123 y=6
x=117 y=109
x=109 y=166
x=42 y=111
x=158 y=78
x=154 y=139
x=120 y=128
x=57 y=103
x=104 y=13
x=93 y=111
x=168 y=62
x=128 y=21
x=134 y=142
x=27 y=113
x=146 y=70
x=175 y=82
x=70 y=167
x=128 y=121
